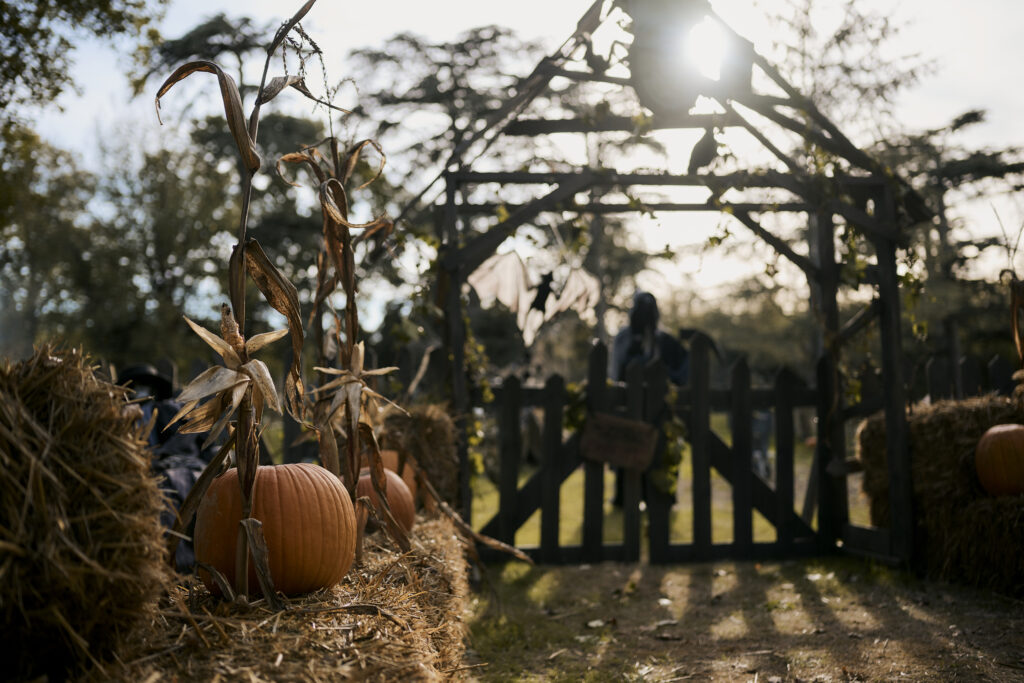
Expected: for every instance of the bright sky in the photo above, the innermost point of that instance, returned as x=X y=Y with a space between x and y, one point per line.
x=978 y=47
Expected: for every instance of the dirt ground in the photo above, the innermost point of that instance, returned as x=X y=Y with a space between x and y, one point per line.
x=831 y=619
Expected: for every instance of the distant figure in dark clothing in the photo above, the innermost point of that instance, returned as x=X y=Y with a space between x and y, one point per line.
x=642 y=340
x=178 y=458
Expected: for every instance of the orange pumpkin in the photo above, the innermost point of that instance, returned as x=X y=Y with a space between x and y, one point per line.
x=398 y=494
x=390 y=460
x=308 y=521
x=999 y=460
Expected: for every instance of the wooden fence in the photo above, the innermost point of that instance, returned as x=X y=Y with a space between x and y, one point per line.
x=823 y=519
x=642 y=398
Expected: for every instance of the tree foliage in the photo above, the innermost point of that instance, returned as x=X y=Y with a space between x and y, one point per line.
x=37 y=43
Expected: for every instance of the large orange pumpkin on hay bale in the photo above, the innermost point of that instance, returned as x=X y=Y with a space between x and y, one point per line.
x=308 y=521
x=999 y=460
x=399 y=497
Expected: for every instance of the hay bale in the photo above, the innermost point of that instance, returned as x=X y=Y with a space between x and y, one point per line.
x=394 y=618
x=81 y=553
x=961 y=533
x=427 y=433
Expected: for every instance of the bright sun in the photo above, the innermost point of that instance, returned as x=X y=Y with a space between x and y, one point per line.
x=706 y=48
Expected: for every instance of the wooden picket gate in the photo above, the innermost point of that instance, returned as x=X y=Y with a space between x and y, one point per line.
x=642 y=397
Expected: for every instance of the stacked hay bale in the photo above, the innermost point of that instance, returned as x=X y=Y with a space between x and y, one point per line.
x=395 y=617
x=426 y=433
x=81 y=552
x=961 y=533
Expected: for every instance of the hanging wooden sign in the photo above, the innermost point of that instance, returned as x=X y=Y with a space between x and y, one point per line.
x=619 y=441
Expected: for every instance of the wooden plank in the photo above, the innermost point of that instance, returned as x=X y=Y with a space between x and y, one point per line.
x=608 y=178
x=455 y=338
x=605 y=208
x=659 y=503
x=742 y=444
x=633 y=479
x=593 y=472
x=872 y=541
x=529 y=498
x=686 y=552
x=897 y=436
x=761 y=398
x=785 y=381
x=533 y=127
x=762 y=497
x=554 y=406
x=483 y=246
x=700 y=442
x=509 y=452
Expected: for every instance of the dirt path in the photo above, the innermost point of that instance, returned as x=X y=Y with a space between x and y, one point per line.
x=818 y=620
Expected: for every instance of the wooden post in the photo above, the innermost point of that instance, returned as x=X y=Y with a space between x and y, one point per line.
x=785 y=383
x=700 y=442
x=551 y=484
x=593 y=472
x=659 y=503
x=742 y=443
x=450 y=284
x=633 y=479
x=831 y=490
x=510 y=446
x=897 y=436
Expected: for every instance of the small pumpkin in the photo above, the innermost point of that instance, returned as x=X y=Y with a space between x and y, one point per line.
x=390 y=460
x=999 y=460
x=399 y=497
x=308 y=521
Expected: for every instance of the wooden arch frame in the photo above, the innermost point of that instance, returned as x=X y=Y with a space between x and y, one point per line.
x=863 y=183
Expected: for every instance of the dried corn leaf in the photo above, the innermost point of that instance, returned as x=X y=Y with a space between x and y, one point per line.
x=263 y=384
x=211 y=381
x=276 y=85
x=232 y=107
x=228 y=403
x=353 y=158
x=216 y=343
x=284 y=298
x=254 y=344
x=305 y=157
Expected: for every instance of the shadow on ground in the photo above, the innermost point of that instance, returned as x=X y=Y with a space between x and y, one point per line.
x=833 y=619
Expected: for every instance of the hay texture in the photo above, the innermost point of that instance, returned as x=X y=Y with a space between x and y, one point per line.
x=426 y=433
x=961 y=533
x=81 y=553
x=394 y=618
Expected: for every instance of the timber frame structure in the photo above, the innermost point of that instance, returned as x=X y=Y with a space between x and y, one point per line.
x=860 y=191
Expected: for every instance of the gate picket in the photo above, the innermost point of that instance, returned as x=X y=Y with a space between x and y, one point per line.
x=742 y=443
x=593 y=472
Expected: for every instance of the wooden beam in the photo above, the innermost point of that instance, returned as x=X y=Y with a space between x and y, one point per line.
x=483 y=246
x=604 y=208
x=606 y=178
x=859 y=321
x=897 y=433
x=802 y=262
x=868 y=223
x=625 y=124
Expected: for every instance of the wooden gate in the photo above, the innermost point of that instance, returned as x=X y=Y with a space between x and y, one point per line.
x=642 y=398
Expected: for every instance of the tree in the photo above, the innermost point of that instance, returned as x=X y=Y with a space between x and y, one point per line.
x=37 y=47
x=43 y=198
